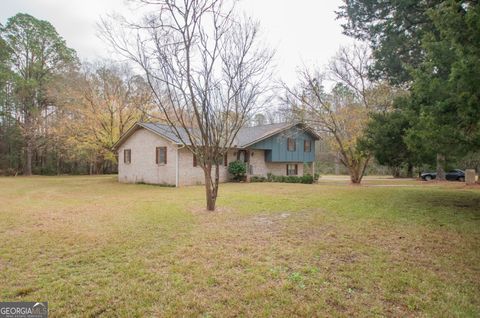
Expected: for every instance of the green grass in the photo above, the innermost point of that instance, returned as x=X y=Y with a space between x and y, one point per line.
x=93 y=247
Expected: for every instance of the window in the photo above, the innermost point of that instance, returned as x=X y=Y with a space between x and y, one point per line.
x=194 y=160
x=307 y=146
x=127 y=156
x=291 y=144
x=292 y=170
x=225 y=160
x=161 y=155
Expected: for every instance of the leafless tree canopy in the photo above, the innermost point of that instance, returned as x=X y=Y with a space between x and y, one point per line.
x=204 y=67
x=350 y=67
x=341 y=113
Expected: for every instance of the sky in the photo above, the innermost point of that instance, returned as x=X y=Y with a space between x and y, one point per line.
x=303 y=32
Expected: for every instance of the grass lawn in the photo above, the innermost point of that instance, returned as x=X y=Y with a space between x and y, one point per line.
x=93 y=247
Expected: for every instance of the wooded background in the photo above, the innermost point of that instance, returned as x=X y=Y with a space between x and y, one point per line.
x=405 y=98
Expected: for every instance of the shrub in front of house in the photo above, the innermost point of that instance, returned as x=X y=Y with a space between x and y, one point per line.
x=258 y=179
x=238 y=170
x=306 y=179
x=269 y=177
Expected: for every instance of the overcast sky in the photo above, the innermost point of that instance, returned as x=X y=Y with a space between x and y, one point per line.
x=301 y=31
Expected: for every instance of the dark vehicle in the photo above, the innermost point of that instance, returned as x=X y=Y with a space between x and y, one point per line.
x=454 y=175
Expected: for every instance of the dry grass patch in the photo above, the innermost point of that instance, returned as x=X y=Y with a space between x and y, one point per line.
x=93 y=247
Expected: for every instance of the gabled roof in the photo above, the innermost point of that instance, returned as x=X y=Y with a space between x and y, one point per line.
x=251 y=135
x=246 y=136
x=166 y=131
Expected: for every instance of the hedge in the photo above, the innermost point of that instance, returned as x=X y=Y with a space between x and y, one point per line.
x=306 y=179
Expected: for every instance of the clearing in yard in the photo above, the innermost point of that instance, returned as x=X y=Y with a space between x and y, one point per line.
x=93 y=247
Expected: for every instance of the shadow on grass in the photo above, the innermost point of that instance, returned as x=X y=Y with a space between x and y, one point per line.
x=466 y=204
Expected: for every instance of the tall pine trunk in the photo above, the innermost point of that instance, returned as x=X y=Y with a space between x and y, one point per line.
x=410 y=170
x=28 y=162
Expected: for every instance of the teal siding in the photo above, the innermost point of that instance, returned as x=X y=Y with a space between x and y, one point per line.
x=276 y=147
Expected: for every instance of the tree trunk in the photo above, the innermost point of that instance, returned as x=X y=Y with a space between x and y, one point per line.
x=58 y=165
x=211 y=187
x=441 y=167
x=410 y=170
x=357 y=170
x=28 y=164
x=355 y=177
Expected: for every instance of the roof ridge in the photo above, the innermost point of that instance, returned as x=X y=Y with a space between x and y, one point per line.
x=246 y=135
x=245 y=127
x=282 y=123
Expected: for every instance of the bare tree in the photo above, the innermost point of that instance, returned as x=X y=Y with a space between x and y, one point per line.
x=341 y=114
x=203 y=66
x=350 y=68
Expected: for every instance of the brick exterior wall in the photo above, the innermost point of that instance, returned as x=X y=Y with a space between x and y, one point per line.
x=190 y=175
x=261 y=168
x=143 y=168
x=280 y=169
x=257 y=161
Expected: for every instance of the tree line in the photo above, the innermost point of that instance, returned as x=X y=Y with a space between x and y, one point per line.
x=58 y=115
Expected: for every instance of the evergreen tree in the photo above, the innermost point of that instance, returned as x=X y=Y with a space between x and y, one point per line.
x=433 y=48
x=35 y=54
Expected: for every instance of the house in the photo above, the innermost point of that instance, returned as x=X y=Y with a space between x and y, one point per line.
x=152 y=153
